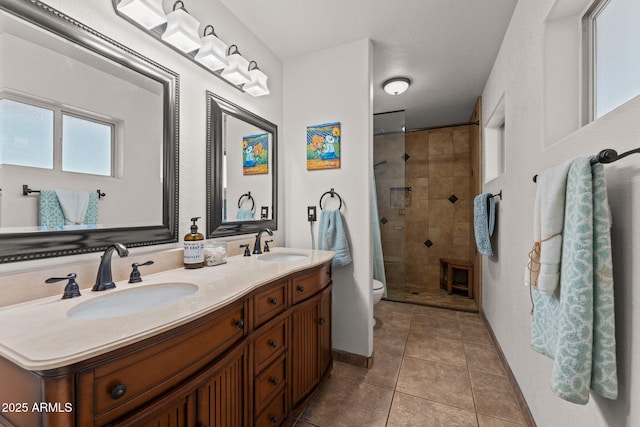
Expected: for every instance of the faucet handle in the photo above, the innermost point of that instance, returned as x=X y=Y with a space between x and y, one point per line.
x=135 y=276
x=266 y=246
x=71 y=290
x=247 y=252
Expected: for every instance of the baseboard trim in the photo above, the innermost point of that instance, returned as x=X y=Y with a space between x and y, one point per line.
x=524 y=407
x=352 y=359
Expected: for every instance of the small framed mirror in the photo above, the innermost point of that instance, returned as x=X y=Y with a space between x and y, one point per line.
x=242 y=170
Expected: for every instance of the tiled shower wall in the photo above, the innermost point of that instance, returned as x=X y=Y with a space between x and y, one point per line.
x=430 y=171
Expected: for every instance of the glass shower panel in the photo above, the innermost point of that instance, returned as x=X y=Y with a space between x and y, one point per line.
x=393 y=197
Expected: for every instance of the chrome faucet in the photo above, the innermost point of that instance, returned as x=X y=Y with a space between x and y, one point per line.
x=256 y=245
x=104 y=279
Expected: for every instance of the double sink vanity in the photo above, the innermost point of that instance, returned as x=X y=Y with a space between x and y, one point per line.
x=239 y=344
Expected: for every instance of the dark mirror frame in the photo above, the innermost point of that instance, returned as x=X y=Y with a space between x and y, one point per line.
x=29 y=246
x=216 y=106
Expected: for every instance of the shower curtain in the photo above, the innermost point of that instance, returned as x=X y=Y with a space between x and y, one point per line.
x=378 y=259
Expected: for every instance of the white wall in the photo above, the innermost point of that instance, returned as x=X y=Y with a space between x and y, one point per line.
x=518 y=76
x=194 y=82
x=334 y=85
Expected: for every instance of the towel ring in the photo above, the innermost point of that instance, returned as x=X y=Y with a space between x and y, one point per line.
x=332 y=193
x=248 y=196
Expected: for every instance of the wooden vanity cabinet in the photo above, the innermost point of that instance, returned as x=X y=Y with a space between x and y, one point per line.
x=252 y=362
x=311 y=344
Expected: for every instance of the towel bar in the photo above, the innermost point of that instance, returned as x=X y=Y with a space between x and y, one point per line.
x=26 y=191
x=608 y=155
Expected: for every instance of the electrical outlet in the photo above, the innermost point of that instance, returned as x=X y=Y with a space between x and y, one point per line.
x=311 y=213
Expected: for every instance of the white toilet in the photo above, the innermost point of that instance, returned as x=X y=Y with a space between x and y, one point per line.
x=378 y=291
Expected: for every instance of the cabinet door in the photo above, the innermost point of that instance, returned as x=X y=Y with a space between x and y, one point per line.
x=324 y=326
x=178 y=412
x=221 y=399
x=305 y=372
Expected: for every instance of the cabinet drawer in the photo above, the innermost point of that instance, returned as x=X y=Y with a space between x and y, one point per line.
x=307 y=285
x=269 y=303
x=127 y=382
x=273 y=415
x=269 y=383
x=268 y=345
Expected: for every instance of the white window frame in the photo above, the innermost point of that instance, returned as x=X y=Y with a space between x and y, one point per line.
x=494 y=144
x=590 y=57
x=58 y=112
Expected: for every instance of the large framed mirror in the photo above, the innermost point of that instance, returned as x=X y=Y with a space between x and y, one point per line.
x=242 y=170
x=88 y=139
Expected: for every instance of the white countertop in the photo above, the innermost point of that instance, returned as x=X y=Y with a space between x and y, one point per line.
x=37 y=335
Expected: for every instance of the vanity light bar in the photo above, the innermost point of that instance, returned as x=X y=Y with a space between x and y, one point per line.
x=212 y=54
x=147 y=13
x=182 y=29
x=238 y=70
x=182 y=33
x=258 y=84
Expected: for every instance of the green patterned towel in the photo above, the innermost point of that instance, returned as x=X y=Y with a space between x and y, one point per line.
x=576 y=326
x=52 y=217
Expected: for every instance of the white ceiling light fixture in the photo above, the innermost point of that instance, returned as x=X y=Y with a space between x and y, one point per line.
x=147 y=13
x=238 y=70
x=258 y=84
x=213 y=53
x=396 y=85
x=182 y=29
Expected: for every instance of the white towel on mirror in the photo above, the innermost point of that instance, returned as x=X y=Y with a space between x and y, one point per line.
x=74 y=205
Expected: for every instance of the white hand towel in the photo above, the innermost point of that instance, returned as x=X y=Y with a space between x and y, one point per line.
x=543 y=270
x=74 y=205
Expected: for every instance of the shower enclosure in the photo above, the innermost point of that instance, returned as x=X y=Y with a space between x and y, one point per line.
x=393 y=197
x=425 y=195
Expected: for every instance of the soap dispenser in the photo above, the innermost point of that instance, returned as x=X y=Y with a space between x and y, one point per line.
x=194 y=247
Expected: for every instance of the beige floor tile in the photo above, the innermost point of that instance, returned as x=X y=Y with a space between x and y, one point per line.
x=383 y=373
x=393 y=320
x=443 y=364
x=486 y=421
x=464 y=316
x=435 y=327
x=389 y=340
x=483 y=357
x=344 y=402
x=427 y=347
x=439 y=313
x=475 y=332
x=410 y=411
x=385 y=305
x=494 y=397
x=442 y=383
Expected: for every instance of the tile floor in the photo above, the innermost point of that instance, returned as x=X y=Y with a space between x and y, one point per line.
x=432 y=367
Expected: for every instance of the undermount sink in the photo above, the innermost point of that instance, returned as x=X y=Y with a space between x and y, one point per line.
x=281 y=257
x=131 y=301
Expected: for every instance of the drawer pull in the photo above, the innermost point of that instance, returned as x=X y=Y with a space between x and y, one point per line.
x=240 y=323
x=273 y=419
x=118 y=391
x=322 y=321
x=273 y=343
x=273 y=301
x=300 y=288
x=274 y=380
